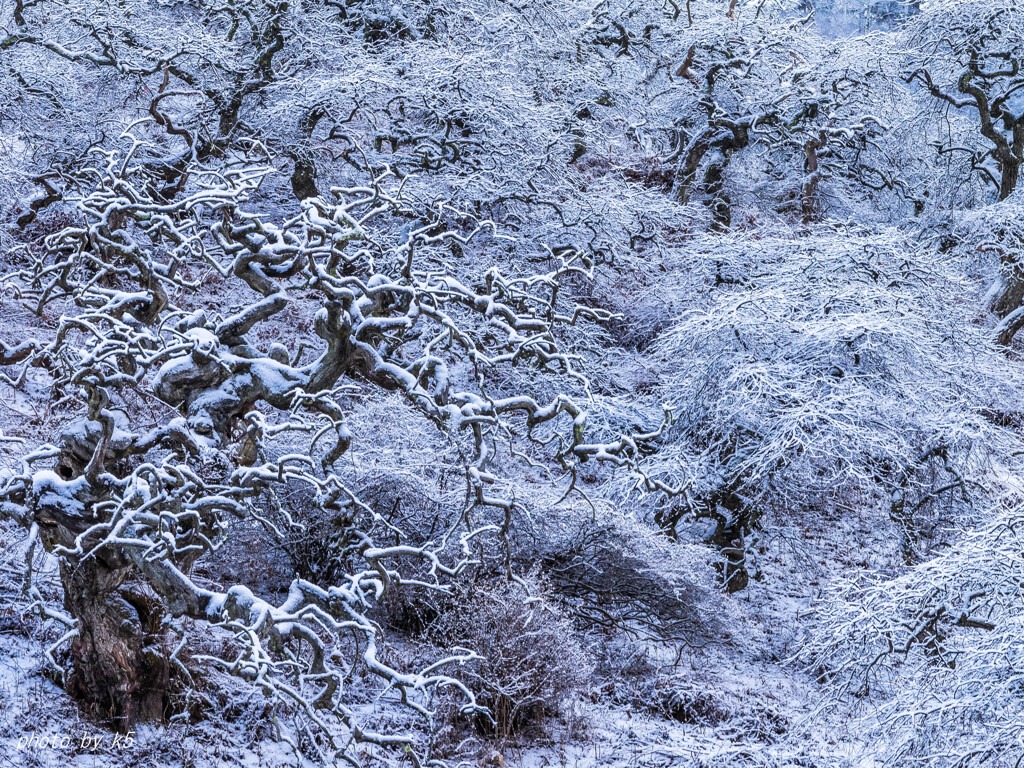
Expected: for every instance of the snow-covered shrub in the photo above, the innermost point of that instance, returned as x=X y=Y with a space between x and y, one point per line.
x=936 y=650
x=832 y=370
x=695 y=702
x=532 y=660
x=686 y=702
x=615 y=573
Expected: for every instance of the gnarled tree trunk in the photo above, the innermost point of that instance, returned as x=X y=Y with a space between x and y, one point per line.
x=121 y=667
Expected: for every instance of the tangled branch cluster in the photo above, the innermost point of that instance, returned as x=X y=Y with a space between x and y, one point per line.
x=115 y=497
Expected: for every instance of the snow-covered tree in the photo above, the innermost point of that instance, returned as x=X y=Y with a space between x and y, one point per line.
x=129 y=503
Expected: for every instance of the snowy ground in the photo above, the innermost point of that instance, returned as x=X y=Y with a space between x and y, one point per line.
x=40 y=726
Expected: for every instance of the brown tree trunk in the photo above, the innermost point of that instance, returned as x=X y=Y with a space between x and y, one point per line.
x=121 y=668
x=718 y=200
x=734 y=570
x=304 y=179
x=49 y=196
x=304 y=174
x=904 y=519
x=1008 y=180
x=808 y=194
x=1011 y=296
x=686 y=173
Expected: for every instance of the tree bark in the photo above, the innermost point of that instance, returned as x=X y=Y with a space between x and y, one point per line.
x=808 y=194
x=1008 y=178
x=304 y=174
x=729 y=537
x=120 y=659
x=718 y=200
